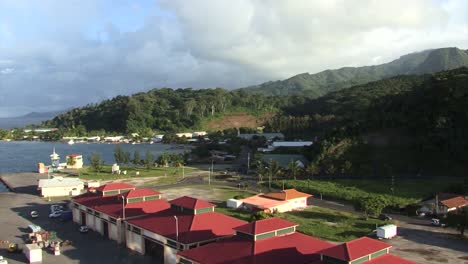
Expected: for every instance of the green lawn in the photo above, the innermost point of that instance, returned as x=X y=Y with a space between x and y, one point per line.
x=88 y=173
x=405 y=191
x=320 y=222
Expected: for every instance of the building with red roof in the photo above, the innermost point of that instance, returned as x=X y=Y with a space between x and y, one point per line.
x=389 y=259
x=105 y=213
x=188 y=223
x=275 y=240
x=272 y=240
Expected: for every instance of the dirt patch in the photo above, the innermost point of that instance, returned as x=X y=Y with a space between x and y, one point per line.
x=238 y=120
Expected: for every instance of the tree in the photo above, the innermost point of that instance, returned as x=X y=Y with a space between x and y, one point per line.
x=459 y=220
x=96 y=161
x=293 y=169
x=312 y=169
x=126 y=157
x=71 y=161
x=149 y=159
x=373 y=205
x=118 y=155
x=136 y=158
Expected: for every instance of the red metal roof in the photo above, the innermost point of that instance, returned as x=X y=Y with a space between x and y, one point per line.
x=286 y=195
x=140 y=193
x=264 y=226
x=292 y=248
x=73 y=155
x=192 y=228
x=112 y=205
x=355 y=249
x=190 y=203
x=115 y=186
x=389 y=259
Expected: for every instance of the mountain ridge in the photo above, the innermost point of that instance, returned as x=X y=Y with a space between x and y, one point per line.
x=321 y=83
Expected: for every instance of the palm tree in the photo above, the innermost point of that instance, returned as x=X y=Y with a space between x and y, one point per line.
x=312 y=169
x=293 y=168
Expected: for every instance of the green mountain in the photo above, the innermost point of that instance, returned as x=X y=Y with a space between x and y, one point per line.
x=164 y=109
x=404 y=125
x=316 y=85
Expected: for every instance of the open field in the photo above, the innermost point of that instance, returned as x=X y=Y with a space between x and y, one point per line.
x=87 y=173
x=319 y=222
x=213 y=193
x=405 y=191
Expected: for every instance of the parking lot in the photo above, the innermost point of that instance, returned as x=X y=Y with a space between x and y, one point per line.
x=91 y=247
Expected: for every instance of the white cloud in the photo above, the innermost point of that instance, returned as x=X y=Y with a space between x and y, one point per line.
x=7 y=70
x=209 y=43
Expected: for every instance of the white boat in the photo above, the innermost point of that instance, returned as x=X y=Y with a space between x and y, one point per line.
x=71 y=142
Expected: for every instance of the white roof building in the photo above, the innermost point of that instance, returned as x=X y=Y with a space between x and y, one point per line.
x=59 y=186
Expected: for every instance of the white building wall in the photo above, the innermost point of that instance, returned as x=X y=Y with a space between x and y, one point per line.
x=98 y=223
x=90 y=221
x=113 y=232
x=135 y=242
x=170 y=255
x=298 y=203
x=76 y=215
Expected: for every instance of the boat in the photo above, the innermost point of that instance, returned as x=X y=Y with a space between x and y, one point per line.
x=71 y=142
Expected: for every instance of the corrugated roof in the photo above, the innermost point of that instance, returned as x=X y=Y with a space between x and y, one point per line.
x=59 y=182
x=140 y=193
x=115 y=186
x=112 y=205
x=285 y=195
x=292 y=248
x=458 y=201
x=191 y=203
x=262 y=202
x=192 y=228
x=355 y=249
x=389 y=259
x=265 y=226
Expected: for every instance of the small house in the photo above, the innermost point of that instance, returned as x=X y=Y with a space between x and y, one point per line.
x=443 y=203
x=283 y=201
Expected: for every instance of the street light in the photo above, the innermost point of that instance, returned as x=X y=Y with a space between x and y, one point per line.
x=123 y=207
x=176 y=228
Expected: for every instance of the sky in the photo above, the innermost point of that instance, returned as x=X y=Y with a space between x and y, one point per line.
x=57 y=54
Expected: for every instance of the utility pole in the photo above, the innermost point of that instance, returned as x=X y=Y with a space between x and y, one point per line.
x=183 y=170
x=248 y=162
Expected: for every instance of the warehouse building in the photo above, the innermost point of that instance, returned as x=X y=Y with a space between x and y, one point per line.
x=106 y=209
x=189 y=223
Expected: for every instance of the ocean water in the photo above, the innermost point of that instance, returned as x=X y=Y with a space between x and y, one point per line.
x=23 y=156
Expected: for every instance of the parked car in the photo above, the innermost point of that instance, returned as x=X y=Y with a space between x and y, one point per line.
x=437 y=222
x=83 y=229
x=55 y=214
x=56 y=207
x=34 y=214
x=385 y=217
x=3 y=261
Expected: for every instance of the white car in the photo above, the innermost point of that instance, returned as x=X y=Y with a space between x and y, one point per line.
x=3 y=261
x=34 y=214
x=56 y=207
x=83 y=229
x=55 y=214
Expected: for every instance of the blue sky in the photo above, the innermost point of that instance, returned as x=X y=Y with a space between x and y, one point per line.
x=58 y=54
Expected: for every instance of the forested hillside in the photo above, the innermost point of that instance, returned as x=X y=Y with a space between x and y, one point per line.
x=414 y=125
x=315 y=85
x=164 y=110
